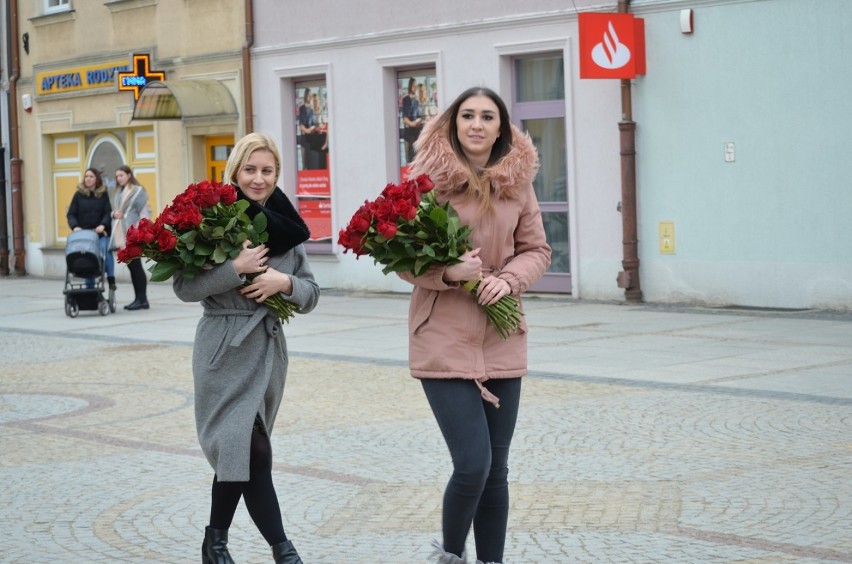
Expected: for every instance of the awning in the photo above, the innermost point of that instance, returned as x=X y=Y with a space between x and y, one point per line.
x=183 y=99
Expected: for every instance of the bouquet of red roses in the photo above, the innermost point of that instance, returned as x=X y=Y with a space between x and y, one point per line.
x=203 y=226
x=407 y=230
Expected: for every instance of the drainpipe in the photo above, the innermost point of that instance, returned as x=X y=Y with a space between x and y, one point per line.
x=4 y=230
x=15 y=161
x=248 y=108
x=629 y=277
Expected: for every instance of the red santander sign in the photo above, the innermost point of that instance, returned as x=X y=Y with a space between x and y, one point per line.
x=611 y=45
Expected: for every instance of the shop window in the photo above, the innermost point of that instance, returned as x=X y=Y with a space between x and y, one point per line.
x=417 y=103
x=313 y=181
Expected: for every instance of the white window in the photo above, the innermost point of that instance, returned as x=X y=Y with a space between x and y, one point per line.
x=54 y=6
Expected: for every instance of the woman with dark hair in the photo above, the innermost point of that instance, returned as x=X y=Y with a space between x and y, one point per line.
x=131 y=203
x=239 y=359
x=484 y=166
x=90 y=209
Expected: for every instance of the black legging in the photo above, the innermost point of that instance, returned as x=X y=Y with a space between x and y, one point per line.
x=139 y=280
x=259 y=493
x=478 y=436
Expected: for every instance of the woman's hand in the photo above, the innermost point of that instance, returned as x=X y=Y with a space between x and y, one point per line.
x=99 y=229
x=251 y=259
x=117 y=214
x=491 y=289
x=470 y=268
x=268 y=284
x=78 y=228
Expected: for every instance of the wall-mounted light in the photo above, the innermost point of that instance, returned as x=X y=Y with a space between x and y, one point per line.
x=26 y=40
x=27 y=102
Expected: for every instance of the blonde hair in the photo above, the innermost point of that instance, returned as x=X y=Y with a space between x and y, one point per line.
x=243 y=150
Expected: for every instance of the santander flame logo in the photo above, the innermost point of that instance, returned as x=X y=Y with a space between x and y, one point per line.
x=611 y=53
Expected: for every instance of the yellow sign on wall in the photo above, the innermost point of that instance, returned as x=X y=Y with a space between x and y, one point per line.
x=76 y=79
x=667 y=238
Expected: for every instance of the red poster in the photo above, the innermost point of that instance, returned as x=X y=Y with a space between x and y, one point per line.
x=313 y=183
x=611 y=45
x=317 y=216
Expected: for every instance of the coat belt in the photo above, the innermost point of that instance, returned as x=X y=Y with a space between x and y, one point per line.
x=260 y=315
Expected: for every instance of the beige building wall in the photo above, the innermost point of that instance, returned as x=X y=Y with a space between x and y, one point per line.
x=66 y=123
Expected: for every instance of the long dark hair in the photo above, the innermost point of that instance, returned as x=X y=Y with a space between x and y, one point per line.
x=129 y=171
x=502 y=145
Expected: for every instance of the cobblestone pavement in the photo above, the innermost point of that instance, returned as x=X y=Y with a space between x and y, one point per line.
x=646 y=434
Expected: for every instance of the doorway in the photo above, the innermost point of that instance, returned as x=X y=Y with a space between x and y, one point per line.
x=217 y=151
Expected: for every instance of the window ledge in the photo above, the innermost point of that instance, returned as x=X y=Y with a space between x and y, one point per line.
x=54 y=18
x=122 y=5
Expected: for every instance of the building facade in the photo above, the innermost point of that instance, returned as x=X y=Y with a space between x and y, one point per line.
x=82 y=66
x=739 y=120
x=347 y=91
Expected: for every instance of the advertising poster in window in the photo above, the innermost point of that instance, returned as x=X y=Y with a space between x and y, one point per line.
x=418 y=103
x=313 y=187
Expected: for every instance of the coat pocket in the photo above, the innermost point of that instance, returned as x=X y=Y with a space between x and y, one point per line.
x=225 y=331
x=422 y=309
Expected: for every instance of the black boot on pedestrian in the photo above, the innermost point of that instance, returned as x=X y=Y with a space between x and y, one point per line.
x=285 y=553
x=137 y=304
x=111 y=280
x=214 y=549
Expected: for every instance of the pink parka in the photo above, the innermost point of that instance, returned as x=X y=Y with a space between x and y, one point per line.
x=449 y=334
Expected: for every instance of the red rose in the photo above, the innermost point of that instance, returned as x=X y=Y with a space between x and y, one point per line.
x=129 y=252
x=188 y=216
x=424 y=183
x=387 y=229
x=228 y=194
x=168 y=216
x=166 y=240
x=207 y=195
x=146 y=231
x=411 y=213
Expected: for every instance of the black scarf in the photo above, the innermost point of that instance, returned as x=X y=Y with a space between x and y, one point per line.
x=285 y=227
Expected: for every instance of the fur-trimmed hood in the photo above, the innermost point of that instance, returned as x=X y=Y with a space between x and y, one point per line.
x=435 y=157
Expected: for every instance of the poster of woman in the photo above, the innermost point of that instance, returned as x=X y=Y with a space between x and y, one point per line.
x=418 y=102
x=313 y=189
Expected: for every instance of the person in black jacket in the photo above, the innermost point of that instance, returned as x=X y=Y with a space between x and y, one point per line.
x=90 y=209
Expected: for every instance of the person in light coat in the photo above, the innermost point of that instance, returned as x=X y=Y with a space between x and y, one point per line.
x=484 y=166
x=239 y=360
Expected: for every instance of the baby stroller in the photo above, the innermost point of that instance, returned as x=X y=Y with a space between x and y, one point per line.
x=83 y=259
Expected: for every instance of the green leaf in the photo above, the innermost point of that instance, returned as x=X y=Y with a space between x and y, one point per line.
x=164 y=270
x=260 y=222
x=203 y=249
x=219 y=255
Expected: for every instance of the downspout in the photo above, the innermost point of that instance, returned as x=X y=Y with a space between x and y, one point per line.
x=15 y=161
x=629 y=277
x=248 y=108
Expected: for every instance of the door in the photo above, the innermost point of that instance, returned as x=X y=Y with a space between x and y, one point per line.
x=218 y=149
x=538 y=107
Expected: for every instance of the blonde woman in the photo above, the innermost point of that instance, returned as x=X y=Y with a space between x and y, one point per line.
x=239 y=360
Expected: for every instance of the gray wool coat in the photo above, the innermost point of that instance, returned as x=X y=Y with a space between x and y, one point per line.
x=239 y=359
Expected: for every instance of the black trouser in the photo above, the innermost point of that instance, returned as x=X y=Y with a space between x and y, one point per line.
x=139 y=280
x=478 y=436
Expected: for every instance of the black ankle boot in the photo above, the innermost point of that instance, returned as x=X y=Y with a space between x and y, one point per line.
x=214 y=549
x=111 y=281
x=285 y=553
x=137 y=304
